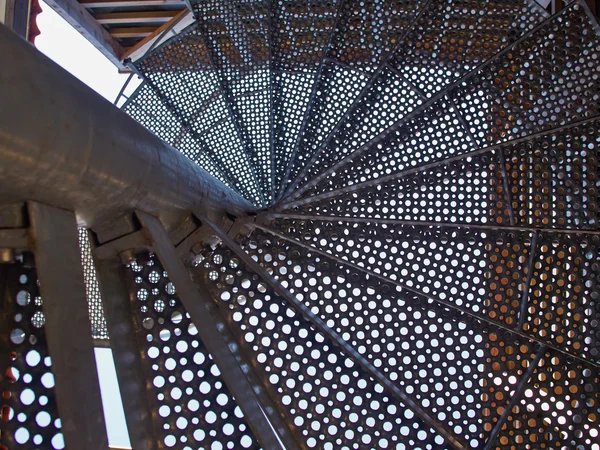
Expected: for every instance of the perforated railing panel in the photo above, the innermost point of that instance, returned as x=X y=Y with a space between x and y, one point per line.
x=191 y=406
x=553 y=180
x=97 y=319
x=453 y=37
x=444 y=359
x=547 y=80
x=544 y=285
x=559 y=408
x=337 y=88
x=432 y=135
x=147 y=108
x=427 y=60
x=466 y=191
x=29 y=413
x=366 y=33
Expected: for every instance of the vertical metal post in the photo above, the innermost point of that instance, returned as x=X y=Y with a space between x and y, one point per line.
x=213 y=332
x=126 y=353
x=68 y=330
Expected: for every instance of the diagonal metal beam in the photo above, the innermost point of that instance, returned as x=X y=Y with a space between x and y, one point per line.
x=530 y=264
x=212 y=330
x=403 y=77
x=271 y=107
x=186 y=126
x=473 y=226
x=309 y=106
x=502 y=160
x=289 y=189
x=429 y=296
x=268 y=404
x=225 y=95
x=320 y=325
x=68 y=330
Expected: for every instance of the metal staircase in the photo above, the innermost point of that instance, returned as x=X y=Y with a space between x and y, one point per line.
x=384 y=232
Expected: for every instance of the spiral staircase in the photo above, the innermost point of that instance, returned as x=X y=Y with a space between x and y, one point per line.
x=412 y=261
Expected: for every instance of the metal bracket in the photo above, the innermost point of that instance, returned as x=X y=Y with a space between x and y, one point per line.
x=127 y=247
x=193 y=245
x=203 y=238
x=67 y=326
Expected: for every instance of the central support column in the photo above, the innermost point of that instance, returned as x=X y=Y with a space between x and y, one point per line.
x=64 y=145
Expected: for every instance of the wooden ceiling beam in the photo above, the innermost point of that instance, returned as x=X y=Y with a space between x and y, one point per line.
x=181 y=21
x=82 y=21
x=130 y=3
x=131 y=32
x=145 y=17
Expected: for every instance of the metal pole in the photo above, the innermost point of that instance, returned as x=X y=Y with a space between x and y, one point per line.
x=68 y=331
x=424 y=223
x=62 y=144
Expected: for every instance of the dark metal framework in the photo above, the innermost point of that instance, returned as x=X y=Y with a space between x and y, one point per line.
x=394 y=241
